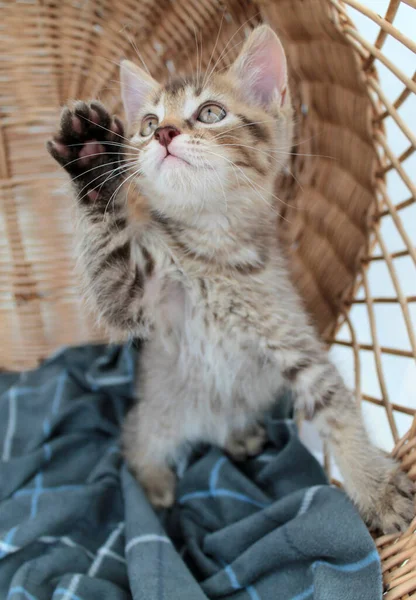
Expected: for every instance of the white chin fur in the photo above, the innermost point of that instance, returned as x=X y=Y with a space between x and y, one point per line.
x=174 y=185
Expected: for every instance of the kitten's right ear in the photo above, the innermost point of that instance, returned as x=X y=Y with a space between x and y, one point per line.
x=136 y=85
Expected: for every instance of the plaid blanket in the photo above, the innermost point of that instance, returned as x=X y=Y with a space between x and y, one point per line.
x=75 y=525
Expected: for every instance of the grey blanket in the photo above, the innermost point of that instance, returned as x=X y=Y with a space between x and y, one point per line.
x=75 y=525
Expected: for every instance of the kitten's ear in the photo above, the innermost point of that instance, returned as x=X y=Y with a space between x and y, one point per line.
x=261 y=67
x=136 y=85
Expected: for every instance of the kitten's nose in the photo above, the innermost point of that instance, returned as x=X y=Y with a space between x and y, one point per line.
x=166 y=134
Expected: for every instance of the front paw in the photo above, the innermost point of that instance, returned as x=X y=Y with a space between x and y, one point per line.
x=392 y=507
x=89 y=145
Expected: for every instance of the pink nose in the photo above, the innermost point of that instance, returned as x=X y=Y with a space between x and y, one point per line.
x=166 y=134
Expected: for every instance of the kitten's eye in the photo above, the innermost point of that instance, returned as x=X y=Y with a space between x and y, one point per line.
x=149 y=125
x=211 y=113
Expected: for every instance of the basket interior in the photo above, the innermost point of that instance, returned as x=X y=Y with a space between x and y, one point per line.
x=340 y=225
x=72 y=50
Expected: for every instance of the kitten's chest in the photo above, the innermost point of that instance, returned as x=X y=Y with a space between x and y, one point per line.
x=213 y=346
x=208 y=314
x=201 y=301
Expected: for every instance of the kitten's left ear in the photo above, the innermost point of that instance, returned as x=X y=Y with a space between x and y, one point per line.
x=261 y=68
x=136 y=85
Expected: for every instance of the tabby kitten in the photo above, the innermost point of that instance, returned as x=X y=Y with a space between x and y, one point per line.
x=178 y=247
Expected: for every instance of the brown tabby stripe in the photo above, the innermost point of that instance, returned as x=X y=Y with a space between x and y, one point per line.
x=247 y=268
x=157 y=97
x=119 y=254
x=325 y=400
x=292 y=373
x=242 y=268
x=175 y=86
x=103 y=242
x=256 y=129
x=242 y=163
x=159 y=218
x=150 y=263
x=250 y=161
x=118 y=224
x=203 y=286
x=136 y=284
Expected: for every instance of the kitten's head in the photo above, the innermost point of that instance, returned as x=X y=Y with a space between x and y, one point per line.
x=212 y=143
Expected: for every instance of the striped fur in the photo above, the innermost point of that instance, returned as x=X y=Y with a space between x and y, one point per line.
x=186 y=258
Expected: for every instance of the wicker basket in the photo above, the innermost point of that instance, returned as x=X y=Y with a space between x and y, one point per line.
x=337 y=201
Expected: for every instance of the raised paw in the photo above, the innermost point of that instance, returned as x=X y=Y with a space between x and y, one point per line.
x=393 y=506
x=89 y=145
x=159 y=485
x=246 y=443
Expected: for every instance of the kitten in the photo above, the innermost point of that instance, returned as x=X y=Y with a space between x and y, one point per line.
x=178 y=247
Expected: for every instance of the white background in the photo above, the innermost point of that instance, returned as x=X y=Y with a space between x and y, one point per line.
x=400 y=373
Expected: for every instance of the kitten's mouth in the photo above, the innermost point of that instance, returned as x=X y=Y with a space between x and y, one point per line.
x=174 y=159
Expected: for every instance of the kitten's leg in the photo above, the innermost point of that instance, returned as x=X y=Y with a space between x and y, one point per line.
x=247 y=442
x=89 y=145
x=374 y=481
x=150 y=442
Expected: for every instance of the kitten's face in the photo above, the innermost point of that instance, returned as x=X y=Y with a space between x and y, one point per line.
x=208 y=147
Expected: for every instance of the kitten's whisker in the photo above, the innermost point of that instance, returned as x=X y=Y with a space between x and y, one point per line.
x=105 y=128
x=213 y=50
x=119 y=152
x=204 y=180
x=252 y=183
x=197 y=56
x=223 y=191
x=269 y=192
x=113 y=195
x=96 y=167
x=112 y=173
x=226 y=67
x=115 y=162
x=280 y=147
x=113 y=62
x=252 y=148
x=117 y=86
x=300 y=142
x=191 y=68
x=134 y=46
x=227 y=44
x=300 y=154
x=130 y=87
x=222 y=133
x=256 y=185
x=201 y=55
x=279 y=162
x=107 y=143
x=120 y=173
x=276 y=151
x=71 y=162
x=87 y=185
x=128 y=191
